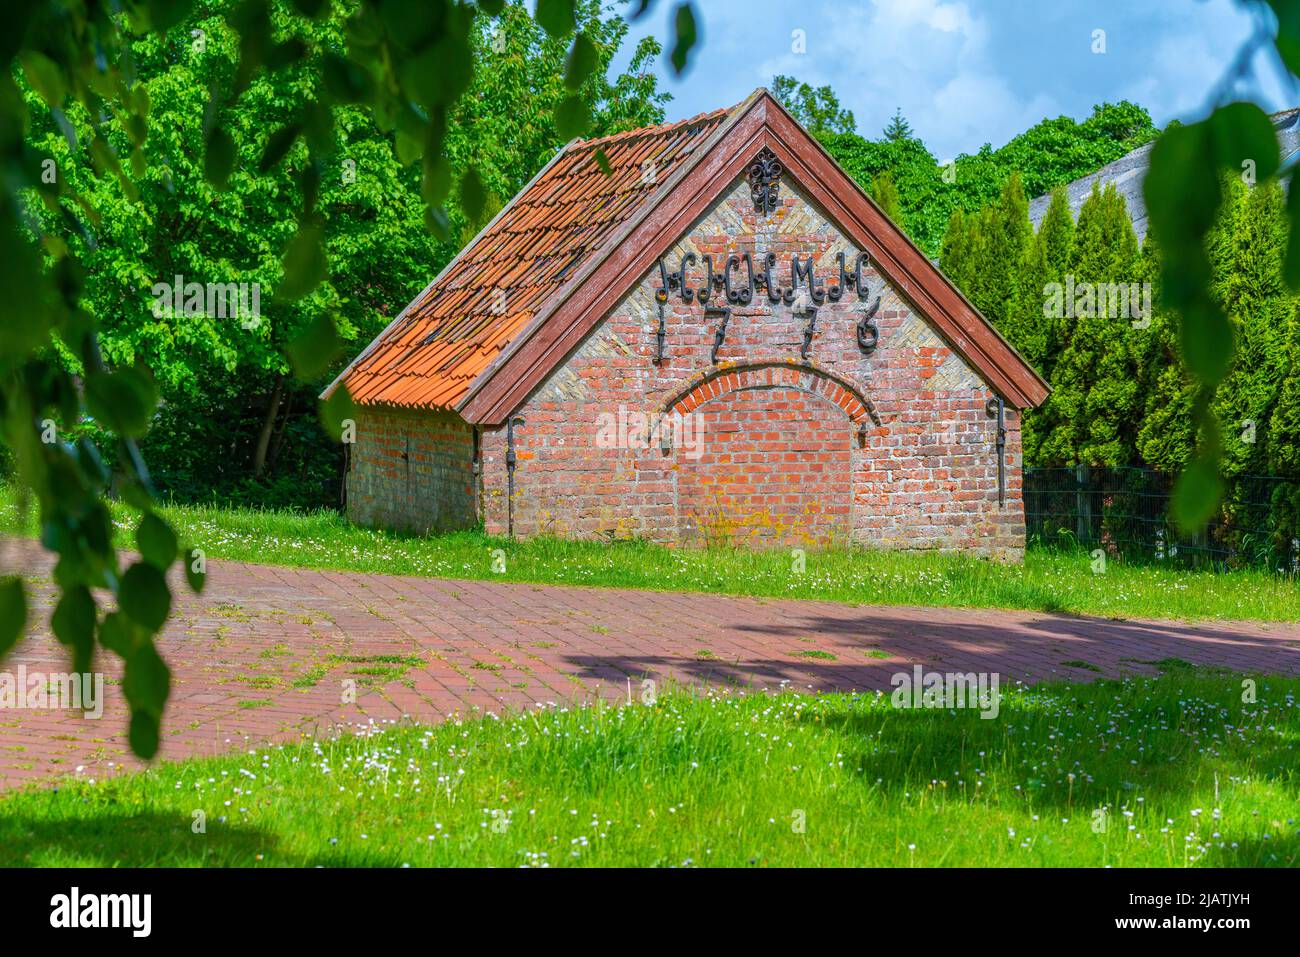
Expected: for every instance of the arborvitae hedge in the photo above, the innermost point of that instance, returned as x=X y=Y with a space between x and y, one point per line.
x=955 y=253
x=1049 y=154
x=1262 y=311
x=1120 y=395
x=1166 y=434
x=1086 y=320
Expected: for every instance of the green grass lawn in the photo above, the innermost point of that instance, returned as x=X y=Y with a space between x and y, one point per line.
x=1167 y=771
x=1049 y=580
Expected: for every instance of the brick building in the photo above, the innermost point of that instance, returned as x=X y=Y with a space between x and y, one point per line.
x=716 y=338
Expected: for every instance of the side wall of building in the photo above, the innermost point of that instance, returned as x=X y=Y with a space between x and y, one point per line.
x=411 y=471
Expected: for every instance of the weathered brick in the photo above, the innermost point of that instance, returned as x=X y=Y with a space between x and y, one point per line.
x=781 y=458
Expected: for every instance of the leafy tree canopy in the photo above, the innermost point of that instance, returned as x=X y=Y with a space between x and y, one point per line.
x=1049 y=154
x=817 y=109
x=273 y=103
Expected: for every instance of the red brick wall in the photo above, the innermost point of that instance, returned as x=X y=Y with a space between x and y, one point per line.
x=923 y=474
x=775 y=467
x=891 y=448
x=411 y=471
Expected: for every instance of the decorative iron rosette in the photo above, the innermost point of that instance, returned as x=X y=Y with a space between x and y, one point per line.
x=765 y=181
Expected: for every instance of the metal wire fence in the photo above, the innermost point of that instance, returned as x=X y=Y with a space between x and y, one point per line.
x=1126 y=511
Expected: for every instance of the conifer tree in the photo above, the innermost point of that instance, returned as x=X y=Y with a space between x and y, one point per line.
x=1027 y=327
x=1113 y=402
x=955 y=252
x=1047 y=263
x=1284 y=454
x=1090 y=417
x=1166 y=432
x=1030 y=327
x=1120 y=391
x=1005 y=234
x=1030 y=331
x=984 y=241
x=898 y=128
x=1017 y=233
x=1057 y=438
x=1250 y=285
x=885 y=193
x=1284 y=423
x=1057 y=232
x=1003 y=268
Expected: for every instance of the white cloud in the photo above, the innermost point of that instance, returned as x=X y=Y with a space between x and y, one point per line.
x=975 y=108
x=929 y=57
x=1186 y=64
x=967 y=72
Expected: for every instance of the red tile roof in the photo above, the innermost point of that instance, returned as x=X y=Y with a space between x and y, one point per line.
x=429 y=356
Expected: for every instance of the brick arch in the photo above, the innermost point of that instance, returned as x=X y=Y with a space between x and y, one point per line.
x=773 y=460
x=735 y=377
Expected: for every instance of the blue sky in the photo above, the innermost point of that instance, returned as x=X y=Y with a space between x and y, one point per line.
x=966 y=72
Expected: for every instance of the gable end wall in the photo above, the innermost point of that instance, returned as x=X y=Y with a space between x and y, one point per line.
x=778 y=439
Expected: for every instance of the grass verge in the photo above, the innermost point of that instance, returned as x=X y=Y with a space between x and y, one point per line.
x=1174 y=770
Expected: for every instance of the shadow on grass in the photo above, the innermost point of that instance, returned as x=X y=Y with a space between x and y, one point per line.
x=1280 y=850
x=1072 y=749
x=115 y=838
x=1163 y=740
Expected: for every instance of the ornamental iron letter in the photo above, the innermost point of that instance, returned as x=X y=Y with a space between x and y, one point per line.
x=849 y=279
x=859 y=282
x=765 y=181
x=835 y=291
x=868 y=334
x=808 y=332
x=706 y=291
x=806 y=270
x=731 y=295
x=671 y=280
x=769 y=279
x=661 y=294
x=688 y=260
x=739 y=297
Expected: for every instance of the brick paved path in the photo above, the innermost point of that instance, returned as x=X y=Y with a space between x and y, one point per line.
x=264 y=653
